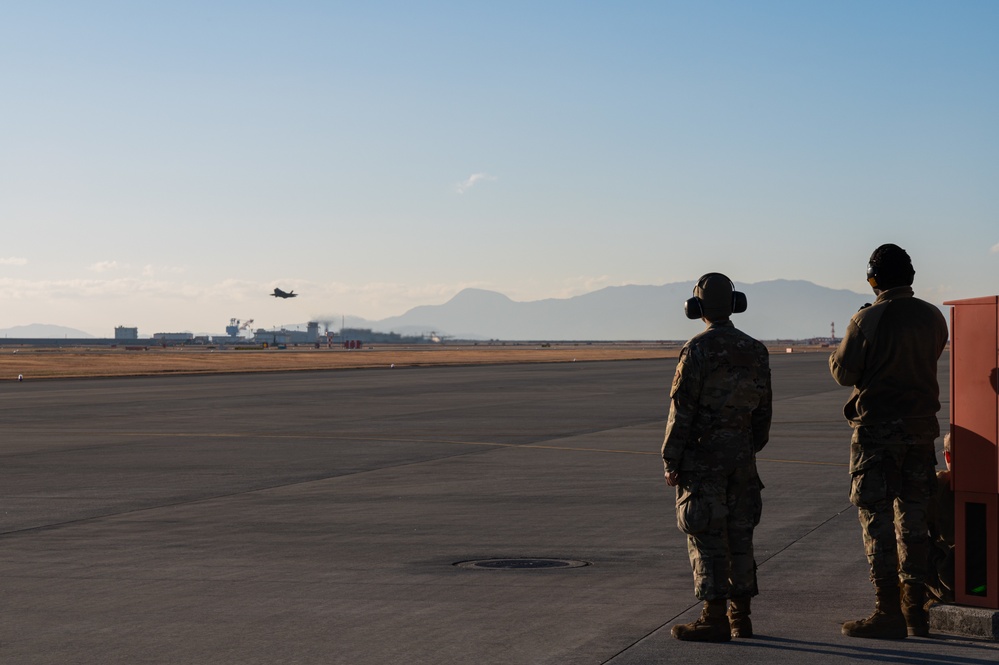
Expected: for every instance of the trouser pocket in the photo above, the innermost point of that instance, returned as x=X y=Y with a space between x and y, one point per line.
x=693 y=512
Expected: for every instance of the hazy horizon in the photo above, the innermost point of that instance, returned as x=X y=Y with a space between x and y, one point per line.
x=352 y=321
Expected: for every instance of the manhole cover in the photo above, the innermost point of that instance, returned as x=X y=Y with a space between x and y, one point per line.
x=521 y=564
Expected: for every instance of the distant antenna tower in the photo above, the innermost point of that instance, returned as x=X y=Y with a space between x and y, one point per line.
x=832 y=332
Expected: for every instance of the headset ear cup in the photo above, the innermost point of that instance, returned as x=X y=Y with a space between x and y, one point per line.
x=692 y=308
x=739 y=302
x=872 y=275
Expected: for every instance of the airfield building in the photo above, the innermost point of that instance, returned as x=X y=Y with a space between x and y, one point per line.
x=173 y=337
x=308 y=336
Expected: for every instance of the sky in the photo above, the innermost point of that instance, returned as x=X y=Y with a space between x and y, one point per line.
x=165 y=165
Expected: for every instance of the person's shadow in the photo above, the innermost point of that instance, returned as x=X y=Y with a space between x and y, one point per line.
x=963 y=651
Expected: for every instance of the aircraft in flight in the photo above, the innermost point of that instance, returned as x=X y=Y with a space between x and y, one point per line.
x=278 y=293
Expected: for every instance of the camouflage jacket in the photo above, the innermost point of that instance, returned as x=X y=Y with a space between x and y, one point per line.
x=721 y=402
x=889 y=355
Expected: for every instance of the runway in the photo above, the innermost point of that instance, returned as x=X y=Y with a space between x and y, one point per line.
x=329 y=517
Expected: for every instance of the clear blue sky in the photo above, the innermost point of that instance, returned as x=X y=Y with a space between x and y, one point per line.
x=165 y=165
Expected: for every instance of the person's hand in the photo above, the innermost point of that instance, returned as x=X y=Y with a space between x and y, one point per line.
x=672 y=478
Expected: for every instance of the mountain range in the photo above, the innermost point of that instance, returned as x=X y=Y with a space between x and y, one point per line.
x=778 y=309
x=43 y=330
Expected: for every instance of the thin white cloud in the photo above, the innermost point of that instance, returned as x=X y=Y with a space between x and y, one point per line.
x=13 y=261
x=581 y=284
x=149 y=270
x=995 y=249
x=378 y=300
x=104 y=266
x=50 y=291
x=472 y=180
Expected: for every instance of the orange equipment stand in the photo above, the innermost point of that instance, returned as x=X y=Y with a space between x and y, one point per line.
x=974 y=426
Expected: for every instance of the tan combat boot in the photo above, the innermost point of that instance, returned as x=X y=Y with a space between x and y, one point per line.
x=738 y=617
x=711 y=626
x=917 y=619
x=887 y=622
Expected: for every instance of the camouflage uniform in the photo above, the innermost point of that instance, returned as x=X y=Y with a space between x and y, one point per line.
x=893 y=479
x=889 y=355
x=720 y=412
x=940 y=518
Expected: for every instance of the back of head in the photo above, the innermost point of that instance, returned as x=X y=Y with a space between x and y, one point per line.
x=715 y=298
x=889 y=267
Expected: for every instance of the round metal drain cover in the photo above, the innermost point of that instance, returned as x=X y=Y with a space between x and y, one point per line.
x=521 y=564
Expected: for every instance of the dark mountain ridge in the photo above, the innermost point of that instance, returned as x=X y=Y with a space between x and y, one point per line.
x=778 y=309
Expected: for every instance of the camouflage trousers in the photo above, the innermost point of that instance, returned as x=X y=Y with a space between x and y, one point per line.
x=718 y=512
x=893 y=480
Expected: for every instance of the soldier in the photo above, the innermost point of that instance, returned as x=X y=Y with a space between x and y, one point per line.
x=889 y=355
x=720 y=412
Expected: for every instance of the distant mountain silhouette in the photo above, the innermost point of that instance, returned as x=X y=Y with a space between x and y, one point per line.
x=44 y=330
x=778 y=309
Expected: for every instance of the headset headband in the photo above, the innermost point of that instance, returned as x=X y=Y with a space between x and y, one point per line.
x=694 y=308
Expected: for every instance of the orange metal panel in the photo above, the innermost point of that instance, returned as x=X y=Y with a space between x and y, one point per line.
x=974 y=397
x=974 y=424
x=985 y=300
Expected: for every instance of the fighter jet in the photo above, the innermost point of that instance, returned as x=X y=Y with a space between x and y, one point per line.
x=278 y=293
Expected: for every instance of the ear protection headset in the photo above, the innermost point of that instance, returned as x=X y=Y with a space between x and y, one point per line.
x=888 y=267
x=872 y=275
x=693 y=308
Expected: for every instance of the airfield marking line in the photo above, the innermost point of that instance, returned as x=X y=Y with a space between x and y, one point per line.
x=797 y=461
x=761 y=563
x=492 y=444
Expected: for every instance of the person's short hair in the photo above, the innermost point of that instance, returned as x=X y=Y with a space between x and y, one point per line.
x=715 y=299
x=714 y=290
x=891 y=266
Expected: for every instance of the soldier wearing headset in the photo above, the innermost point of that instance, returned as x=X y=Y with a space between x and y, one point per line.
x=720 y=413
x=889 y=355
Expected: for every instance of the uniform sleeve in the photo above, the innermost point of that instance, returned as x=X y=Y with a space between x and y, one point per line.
x=847 y=362
x=943 y=332
x=763 y=414
x=684 y=397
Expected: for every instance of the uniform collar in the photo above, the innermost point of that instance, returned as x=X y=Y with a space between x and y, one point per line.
x=892 y=294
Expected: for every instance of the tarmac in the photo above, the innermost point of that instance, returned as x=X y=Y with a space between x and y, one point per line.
x=330 y=517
